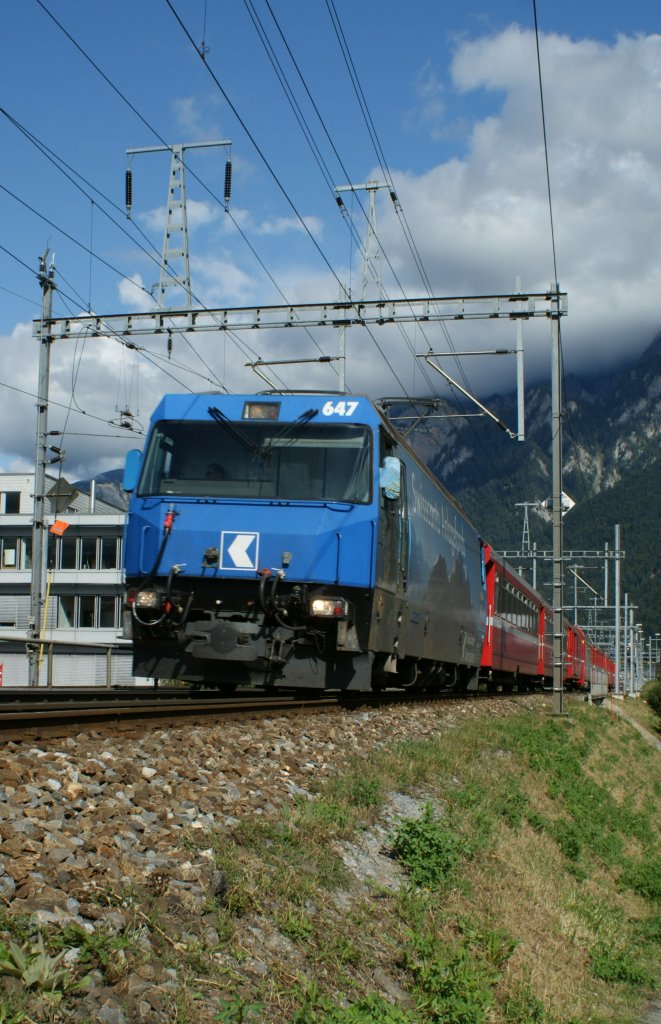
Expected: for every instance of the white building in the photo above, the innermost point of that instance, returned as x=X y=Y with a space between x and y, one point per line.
x=83 y=591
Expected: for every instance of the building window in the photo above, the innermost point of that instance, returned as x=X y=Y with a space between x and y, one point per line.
x=88 y=553
x=108 y=612
x=87 y=612
x=15 y=553
x=109 y=552
x=10 y=502
x=9 y=553
x=84 y=552
x=67 y=552
x=66 y=611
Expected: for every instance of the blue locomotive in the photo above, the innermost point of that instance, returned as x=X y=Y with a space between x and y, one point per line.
x=295 y=540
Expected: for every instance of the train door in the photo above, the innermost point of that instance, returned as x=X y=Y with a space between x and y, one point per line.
x=392 y=563
x=502 y=619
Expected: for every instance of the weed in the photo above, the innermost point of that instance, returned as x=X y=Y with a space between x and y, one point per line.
x=537 y=821
x=614 y=964
x=97 y=950
x=19 y=927
x=237 y=1011
x=452 y=986
x=358 y=790
x=649 y=930
x=567 y=836
x=429 y=850
x=417 y=761
x=296 y=926
x=324 y=815
x=494 y=943
x=643 y=877
x=373 y=1009
x=523 y=1007
x=512 y=805
x=34 y=967
x=651 y=694
x=10 y=1013
x=343 y=951
x=594 y=820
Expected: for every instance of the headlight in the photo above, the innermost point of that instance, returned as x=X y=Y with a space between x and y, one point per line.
x=330 y=607
x=149 y=599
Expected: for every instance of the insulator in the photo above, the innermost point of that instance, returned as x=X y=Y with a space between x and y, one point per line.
x=228 y=183
x=128 y=190
x=339 y=201
x=393 y=196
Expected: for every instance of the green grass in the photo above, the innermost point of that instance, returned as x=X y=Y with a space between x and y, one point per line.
x=529 y=889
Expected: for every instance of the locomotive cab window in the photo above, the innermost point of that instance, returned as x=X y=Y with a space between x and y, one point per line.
x=298 y=461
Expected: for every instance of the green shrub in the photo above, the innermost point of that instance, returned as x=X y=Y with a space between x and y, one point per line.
x=644 y=878
x=428 y=849
x=618 y=965
x=453 y=987
x=567 y=837
x=651 y=694
x=372 y=1009
x=523 y=1007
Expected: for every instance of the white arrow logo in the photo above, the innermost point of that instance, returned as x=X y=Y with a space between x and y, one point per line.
x=235 y=546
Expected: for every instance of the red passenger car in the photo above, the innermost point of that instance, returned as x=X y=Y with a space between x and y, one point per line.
x=518 y=644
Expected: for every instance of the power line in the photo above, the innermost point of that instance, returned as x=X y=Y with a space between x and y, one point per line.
x=254 y=142
x=61 y=230
x=323 y=166
x=131 y=106
x=274 y=175
x=60 y=405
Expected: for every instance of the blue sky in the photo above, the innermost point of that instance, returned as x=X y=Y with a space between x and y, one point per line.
x=452 y=92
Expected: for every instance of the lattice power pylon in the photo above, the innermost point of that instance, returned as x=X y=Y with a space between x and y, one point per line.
x=175 y=262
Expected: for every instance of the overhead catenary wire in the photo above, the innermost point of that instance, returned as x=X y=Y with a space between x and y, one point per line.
x=383 y=163
x=59 y=163
x=344 y=47
x=275 y=177
x=144 y=120
x=59 y=405
x=254 y=143
x=318 y=156
x=245 y=350
x=566 y=411
x=133 y=108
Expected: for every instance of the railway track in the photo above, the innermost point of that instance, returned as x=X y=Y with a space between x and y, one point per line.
x=31 y=714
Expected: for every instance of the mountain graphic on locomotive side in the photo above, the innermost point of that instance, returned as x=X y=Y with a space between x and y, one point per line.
x=295 y=540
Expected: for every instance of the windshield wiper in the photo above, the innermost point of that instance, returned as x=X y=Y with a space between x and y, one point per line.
x=231 y=428
x=300 y=421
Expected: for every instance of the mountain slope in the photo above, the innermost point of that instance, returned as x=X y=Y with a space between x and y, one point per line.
x=611 y=468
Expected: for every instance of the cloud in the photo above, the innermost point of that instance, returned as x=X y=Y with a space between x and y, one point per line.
x=188 y=118
x=479 y=218
x=282 y=225
x=430 y=114
x=134 y=295
x=199 y=213
x=482 y=219
x=220 y=283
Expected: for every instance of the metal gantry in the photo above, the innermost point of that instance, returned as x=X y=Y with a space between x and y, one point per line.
x=621 y=635
x=349 y=313
x=514 y=306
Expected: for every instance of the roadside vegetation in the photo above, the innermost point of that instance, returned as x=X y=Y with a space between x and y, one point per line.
x=507 y=873
x=651 y=704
